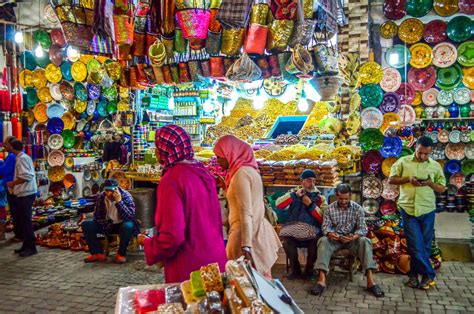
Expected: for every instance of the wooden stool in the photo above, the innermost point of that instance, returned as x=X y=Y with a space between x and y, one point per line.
x=345 y=254
x=132 y=246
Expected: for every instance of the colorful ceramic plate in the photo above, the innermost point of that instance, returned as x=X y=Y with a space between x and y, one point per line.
x=93 y=65
x=53 y=73
x=445 y=7
x=422 y=79
x=467 y=167
x=392 y=147
x=102 y=108
x=39 y=78
x=80 y=106
x=55 y=92
x=421 y=55
x=458 y=179
x=56 y=55
x=406 y=93
x=370 y=73
x=391 y=80
x=371 y=187
x=398 y=56
x=390 y=120
x=418 y=99
x=66 y=70
x=30 y=117
x=55 y=141
x=466 y=6
x=68 y=138
x=394 y=9
x=469 y=150
x=55 y=125
x=69 y=162
x=80 y=91
x=449 y=78
x=468 y=77
x=388 y=207
x=466 y=53
x=445 y=97
x=370 y=206
x=435 y=32
x=372 y=162
x=371 y=139
x=79 y=71
x=387 y=165
x=26 y=79
x=430 y=97
x=44 y=95
x=31 y=97
x=69 y=180
x=418 y=8
x=28 y=60
x=90 y=107
x=67 y=90
x=42 y=37
x=40 y=112
x=462 y=96
x=93 y=91
x=56 y=158
x=460 y=29
x=388 y=30
x=372 y=118
x=371 y=95
x=411 y=31
x=390 y=103
x=444 y=55
x=452 y=166
x=124 y=106
x=455 y=151
x=455 y=136
x=56 y=174
x=43 y=61
x=55 y=110
x=86 y=191
x=112 y=107
x=390 y=192
x=407 y=114
x=68 y=120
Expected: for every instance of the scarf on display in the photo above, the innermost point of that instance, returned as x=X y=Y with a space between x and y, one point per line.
x=238 y=154
x=234 y=13
x=174 y=146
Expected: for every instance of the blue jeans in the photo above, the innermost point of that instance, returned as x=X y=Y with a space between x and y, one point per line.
x=124 y=229
x=419 y=233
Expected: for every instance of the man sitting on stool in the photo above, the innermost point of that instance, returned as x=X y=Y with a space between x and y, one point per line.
x=114 y=213
x=305 y=208
x=344 y=228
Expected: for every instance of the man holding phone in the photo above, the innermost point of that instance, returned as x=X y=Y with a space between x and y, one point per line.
x=344 y=228
x=419 y=178
x=114 y=213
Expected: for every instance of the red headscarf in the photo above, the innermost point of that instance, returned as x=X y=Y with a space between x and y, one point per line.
x=174 y=145
x=237 y=153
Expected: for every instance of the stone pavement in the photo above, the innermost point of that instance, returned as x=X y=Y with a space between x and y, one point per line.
x=59 y=281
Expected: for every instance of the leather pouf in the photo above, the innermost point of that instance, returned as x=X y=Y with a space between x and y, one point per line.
x=403 y=263
x=145 y=203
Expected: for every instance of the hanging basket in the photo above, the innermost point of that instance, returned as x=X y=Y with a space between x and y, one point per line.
x=194 y=23
x=327 y=86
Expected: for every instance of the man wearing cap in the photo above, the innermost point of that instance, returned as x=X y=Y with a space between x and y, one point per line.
x=114 y=213
x=305 y=206
x=419 y=178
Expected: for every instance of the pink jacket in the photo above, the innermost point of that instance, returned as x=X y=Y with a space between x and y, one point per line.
x=188 y=223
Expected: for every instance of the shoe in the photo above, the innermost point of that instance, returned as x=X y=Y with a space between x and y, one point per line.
x=412 y=282
x=119 y=259
x=17 y=251
x=426 y=283
x=293 y=276
x=27 y=253
x=95 y=258
x=310 y=276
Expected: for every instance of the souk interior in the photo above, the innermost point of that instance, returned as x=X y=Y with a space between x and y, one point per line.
x=341 y=87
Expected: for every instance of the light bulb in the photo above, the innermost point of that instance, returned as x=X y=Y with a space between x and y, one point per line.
x=73 y=54
x=303 y=105
x=259 y=100
x=207 y=107
x=289 y=94
x=312 y=93
x=39 y=52
x=393 y=58
x=18 y=37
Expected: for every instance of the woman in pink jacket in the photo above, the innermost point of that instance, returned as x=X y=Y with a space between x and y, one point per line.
x=188 y=215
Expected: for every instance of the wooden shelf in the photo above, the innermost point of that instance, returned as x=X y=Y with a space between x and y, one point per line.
x=448 y=119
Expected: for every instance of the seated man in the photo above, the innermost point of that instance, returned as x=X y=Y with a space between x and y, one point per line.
x=114 y=213
x=344 y=228
x=305 y=207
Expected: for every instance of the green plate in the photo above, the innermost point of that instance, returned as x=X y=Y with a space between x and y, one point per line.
x=80 y=91
x=68 y=138
x=31 y=97
x=466 y=54
x=406 y=152
x=102 y=108
x=93 y=65
x=110 y=93
x=450 y=77
x=459 y=29
x=112 y=107
x=42 y=37
x=43 y=61
x=398 y=56
x=28 y=60
x=371 y=139
x=468 y=166
x=418 y=8
x=371 y=95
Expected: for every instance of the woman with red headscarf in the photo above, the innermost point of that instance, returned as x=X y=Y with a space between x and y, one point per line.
x=188 y=215
x=250 y=234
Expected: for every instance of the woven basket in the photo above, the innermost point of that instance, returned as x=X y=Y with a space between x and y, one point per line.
x=327 y=86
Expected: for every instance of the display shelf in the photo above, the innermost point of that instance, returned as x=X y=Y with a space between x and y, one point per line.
x=292 y=186
x=449 y=119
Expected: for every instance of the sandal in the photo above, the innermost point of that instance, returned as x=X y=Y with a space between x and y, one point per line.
x=376 y=291
x=317 y=290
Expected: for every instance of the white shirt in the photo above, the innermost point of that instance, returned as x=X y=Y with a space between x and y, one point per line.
x=112 y=212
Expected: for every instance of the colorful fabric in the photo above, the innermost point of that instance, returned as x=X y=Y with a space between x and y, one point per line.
x=237 y=152
x=344 y=221
x=174 y=145
x=234 y=13
x=417 y=201
x=125 y=208
x=7 y=169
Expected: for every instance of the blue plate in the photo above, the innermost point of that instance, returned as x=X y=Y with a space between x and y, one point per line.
x=93 y=91
x=102 y=108
x=452 y=166
x=398 y=56
x=28 y=60
x=392 y=147
x=55 y=125
x=80 y=91
x=66 y=71
x=55 y=110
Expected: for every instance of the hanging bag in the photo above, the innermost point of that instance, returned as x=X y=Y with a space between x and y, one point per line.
x=304 y=29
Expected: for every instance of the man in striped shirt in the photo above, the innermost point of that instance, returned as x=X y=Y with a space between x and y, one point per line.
x=305 y=205
x=344 y=228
